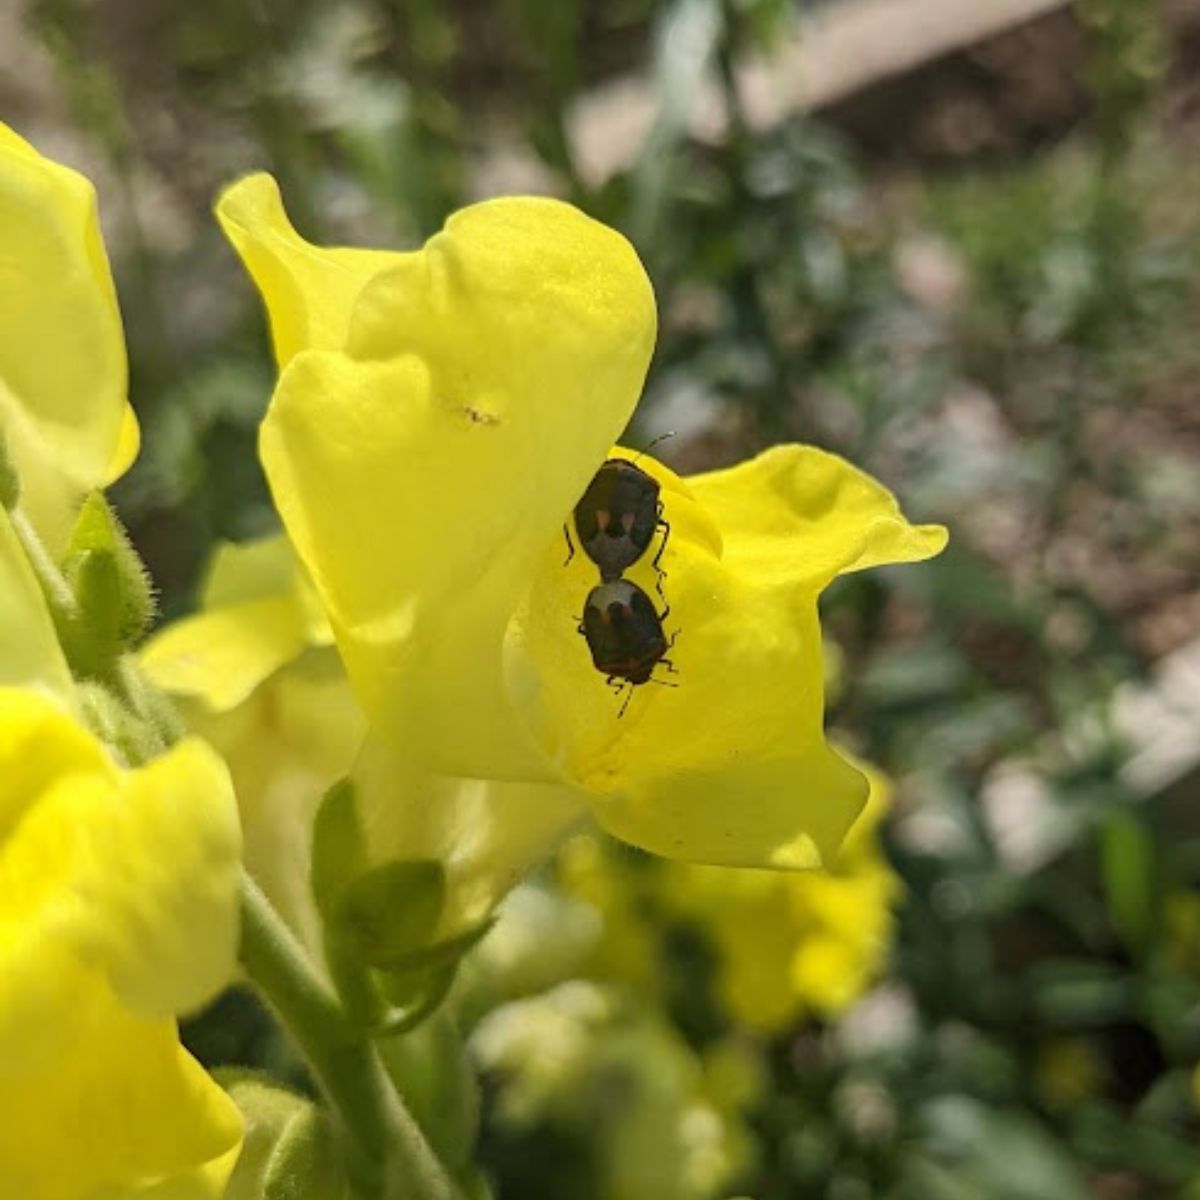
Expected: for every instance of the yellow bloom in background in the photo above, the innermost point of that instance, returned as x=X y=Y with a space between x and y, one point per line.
x=438 y=415
x=787 y=943
x=255 y=674
x=63 y=410
x=791 y=944
x=118 y=911
x=619 y=1080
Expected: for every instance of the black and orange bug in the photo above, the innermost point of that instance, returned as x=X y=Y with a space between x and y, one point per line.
x=625 y=634
x=617 y=517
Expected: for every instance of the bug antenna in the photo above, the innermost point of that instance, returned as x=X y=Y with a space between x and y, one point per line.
x=662 y=437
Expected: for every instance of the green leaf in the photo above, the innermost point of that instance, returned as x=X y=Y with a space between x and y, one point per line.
x=385 y=915
x=999 y=1153
x=339 y=850
x=1072 y=993
x=1129 y=869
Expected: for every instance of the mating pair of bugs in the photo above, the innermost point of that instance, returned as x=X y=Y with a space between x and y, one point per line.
x=615 y=521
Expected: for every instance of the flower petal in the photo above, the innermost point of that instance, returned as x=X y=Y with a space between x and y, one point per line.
x=788 y=812
x=163 y=905
x=727 y=764
x=242 y=571
x=259 y=613
x=121 y=1111
x=220 y=657
x=799 y=517
x=134 y=872
x=62 y=355
x=125 y=452
x=108 y=878
x=308 y=290
x=422 y=481
x=286 y=745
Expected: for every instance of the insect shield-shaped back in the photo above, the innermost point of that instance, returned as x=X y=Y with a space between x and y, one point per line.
x=623 y=631
x=617 y=516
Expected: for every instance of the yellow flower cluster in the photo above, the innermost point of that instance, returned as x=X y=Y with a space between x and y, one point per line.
x=786 y=944
x=437 y=416
x=118 y=903
x=438 y=413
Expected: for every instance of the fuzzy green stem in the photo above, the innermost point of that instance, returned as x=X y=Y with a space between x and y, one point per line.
x=59 y=599
x=389 y=1156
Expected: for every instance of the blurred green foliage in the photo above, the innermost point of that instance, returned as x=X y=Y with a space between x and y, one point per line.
x=1007 y=340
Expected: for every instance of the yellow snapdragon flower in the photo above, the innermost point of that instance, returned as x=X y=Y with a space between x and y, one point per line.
x=255 y=674
x=437 y=416
x=118 y=911
x=64 y=416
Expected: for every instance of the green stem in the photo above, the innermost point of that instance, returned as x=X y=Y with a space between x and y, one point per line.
x=135 y=690
x=60 y=601
x=389 y=1156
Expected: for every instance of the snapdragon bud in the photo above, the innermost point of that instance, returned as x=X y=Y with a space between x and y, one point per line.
x=111 y=588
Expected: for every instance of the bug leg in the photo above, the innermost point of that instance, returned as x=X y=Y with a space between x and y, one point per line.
x=666 y=662
x=570 y=545
x=625 y=705
x=665 y=526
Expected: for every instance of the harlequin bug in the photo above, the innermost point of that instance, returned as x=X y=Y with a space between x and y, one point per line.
x=625 y=635
x=616 y=519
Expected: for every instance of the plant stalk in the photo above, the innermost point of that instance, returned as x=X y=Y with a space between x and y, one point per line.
x=388 y=1154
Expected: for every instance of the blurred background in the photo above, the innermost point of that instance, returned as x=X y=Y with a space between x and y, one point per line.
x=957 y=243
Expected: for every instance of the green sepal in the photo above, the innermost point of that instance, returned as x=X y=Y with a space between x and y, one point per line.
x=385 y=915
x=289 y=1152
x=110 y=585
x=95 y=637
x=416 y=988
x=378 y=923
x=339 y=850
x=449 y=951
x=415 y=996
x=130 y=738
